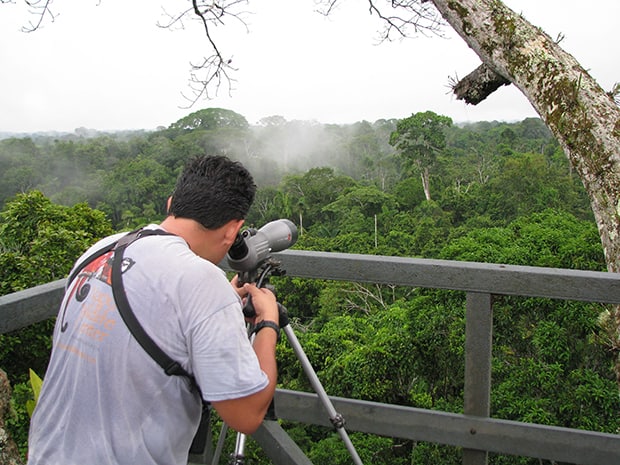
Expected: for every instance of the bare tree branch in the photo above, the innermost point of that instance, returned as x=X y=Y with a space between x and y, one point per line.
x=206 y=75
x=366 y=295
x=422 y=17
x=40 y=9
x=407 y=17
x=400 y=18
x=366 y=298
x=209 y=74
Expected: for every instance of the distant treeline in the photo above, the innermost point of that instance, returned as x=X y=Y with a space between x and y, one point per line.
x=130 y=175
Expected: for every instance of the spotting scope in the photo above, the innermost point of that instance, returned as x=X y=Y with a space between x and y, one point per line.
x=253 y=247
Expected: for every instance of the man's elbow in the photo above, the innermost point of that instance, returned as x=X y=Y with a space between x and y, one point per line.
x=248 y=424
x=242 y=415
x=249 y=428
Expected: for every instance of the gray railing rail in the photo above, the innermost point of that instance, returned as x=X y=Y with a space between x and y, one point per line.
x=475 y=431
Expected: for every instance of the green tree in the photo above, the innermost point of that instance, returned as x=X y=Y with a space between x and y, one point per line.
x=209 y=118
x=528 y=183
x=358 y=207
x=313 y=190
x=419 y=139
x=20 y=167
x=136 y=192
x=550 y=238
x=270 y=203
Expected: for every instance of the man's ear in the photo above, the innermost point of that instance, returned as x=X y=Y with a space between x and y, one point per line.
x=168 y=203
x=232 y=229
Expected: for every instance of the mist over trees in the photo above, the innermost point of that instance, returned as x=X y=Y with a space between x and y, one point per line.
x=497 y=192
x=132 y=174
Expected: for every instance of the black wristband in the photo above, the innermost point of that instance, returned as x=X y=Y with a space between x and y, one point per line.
x=267 y=324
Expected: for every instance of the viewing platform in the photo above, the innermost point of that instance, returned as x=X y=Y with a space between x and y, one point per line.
x=475 y=431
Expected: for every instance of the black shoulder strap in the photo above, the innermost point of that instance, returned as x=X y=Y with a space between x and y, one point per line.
x=170 y=366
x=90 y=258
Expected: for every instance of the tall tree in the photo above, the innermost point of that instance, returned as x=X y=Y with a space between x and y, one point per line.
x=210 y=118
x=419 y=139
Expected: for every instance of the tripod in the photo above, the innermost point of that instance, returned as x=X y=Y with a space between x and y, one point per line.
x=337 y=420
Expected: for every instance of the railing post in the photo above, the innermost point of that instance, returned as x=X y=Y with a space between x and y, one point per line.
x=478 y=347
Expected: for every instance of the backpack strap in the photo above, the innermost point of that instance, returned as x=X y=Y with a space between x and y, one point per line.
x=170 y=366
x=96 y=254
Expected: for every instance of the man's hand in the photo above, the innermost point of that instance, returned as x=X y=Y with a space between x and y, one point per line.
x=264 y=302
x=238 y=287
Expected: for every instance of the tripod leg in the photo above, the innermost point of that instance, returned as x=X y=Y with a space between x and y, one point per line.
x=238 y=457
x=336 y=419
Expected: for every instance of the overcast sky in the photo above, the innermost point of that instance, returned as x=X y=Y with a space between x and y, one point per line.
x=104 y=64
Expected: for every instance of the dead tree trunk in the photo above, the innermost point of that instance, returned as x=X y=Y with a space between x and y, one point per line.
x=582 y=116
x=426 y=183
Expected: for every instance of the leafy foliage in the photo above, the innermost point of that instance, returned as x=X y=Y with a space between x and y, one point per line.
x=18 y=421
x=35 y=383
x=502 y=193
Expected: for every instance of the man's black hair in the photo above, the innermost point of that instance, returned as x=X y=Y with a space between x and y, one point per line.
x=213 y=190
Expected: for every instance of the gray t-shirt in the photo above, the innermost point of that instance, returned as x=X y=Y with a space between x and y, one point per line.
x=104 y=399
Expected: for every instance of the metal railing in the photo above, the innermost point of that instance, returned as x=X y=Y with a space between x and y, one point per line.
x=474 y=430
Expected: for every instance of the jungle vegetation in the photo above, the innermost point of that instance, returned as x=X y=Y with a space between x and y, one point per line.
x=419 y=187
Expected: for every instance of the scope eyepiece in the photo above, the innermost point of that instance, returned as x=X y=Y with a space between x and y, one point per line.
x=239 y=249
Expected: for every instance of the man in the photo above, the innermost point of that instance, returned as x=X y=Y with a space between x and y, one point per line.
x=104 y=399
